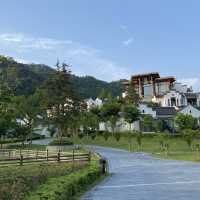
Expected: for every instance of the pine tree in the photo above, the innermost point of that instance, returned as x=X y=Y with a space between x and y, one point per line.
x=60 y=99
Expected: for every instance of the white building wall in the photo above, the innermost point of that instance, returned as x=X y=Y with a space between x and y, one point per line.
x=198 y=100
x=180 y=87
x=121 y=126
x=190 y=110
x=144 y=109
x=165 y=101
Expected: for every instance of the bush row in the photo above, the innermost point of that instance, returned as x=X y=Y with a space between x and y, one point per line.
x=63 y=141
x=67 y=187
x=35 y=136
x=16 y=181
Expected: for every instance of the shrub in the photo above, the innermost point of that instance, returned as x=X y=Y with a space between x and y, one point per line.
x=16 y=182
x=81 y=135
x=106 y=135
x=63 y=141
x=93 y=135
x=117 y=136
x=67 y=187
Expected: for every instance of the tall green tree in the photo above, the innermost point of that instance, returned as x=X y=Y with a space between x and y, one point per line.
x=110 y=112
x=6 y=109
x=147 y=123
x=60 y=98
x=186 y=122
x=131 y=114
x=28 y=113
x=132 y=96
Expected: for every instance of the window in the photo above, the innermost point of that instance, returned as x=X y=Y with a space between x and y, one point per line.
x=148 y=90
x=162 y=87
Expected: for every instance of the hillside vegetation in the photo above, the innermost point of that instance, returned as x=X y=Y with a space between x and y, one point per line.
x=26 y=78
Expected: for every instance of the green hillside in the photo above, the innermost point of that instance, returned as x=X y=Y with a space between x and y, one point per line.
x=26 y=78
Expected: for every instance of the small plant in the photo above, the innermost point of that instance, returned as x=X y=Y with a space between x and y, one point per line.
x=139 y=139
x=93 y=135
x=63 y=141
x=161 y=139
x=106 y=135
x=188 y=136
x=130 y=142
x=81 y=135
x=117 y=136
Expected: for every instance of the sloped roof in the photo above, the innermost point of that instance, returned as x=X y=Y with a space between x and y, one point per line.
x=156 y=74
x=165 y=111
x=167 y=78
x=191 y=95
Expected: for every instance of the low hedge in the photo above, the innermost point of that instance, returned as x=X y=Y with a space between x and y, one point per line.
x=67 y=187
x=64 y=141
x=35 y=136
x=16 y=182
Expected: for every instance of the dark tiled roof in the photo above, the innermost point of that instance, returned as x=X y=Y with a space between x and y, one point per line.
x=167 y=78
x=191 y=95
x=165 y=111
x=198 y=108
x=156 y=74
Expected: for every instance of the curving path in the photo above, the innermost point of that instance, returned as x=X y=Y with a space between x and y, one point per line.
x=137 y=176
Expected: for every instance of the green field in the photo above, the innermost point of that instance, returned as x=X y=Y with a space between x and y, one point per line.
x=178 y=148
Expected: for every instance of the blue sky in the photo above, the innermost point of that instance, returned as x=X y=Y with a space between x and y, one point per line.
x=109 y=39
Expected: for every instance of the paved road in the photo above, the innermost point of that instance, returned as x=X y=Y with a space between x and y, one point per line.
x=137 y=176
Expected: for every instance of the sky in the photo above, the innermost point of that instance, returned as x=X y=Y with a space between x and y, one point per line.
x=108 y=39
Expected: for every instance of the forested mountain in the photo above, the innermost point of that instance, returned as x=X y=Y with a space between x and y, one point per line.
x=26 y=78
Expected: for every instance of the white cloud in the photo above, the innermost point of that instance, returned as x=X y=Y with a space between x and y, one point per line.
x=85 y=60
x=11 y=37
x=191 y=82
x=127 y=42
x=21 y=60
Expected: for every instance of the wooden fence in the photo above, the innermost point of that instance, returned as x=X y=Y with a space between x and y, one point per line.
x=22 y=157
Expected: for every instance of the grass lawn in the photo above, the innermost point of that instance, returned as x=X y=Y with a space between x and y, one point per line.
x=178 y=148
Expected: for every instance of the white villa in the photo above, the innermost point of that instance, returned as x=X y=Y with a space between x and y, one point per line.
x=91 y=103
x=163 y=90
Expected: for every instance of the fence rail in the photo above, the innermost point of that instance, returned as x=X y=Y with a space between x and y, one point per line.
x=22 y=157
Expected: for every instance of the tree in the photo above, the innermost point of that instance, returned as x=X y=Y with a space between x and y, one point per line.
x=188 y=136
x=118 y=136
x=110 y=112
x=89 y=122
x=139 y=139
x=186 y=122
x=132 y=96
x=158 y=125
x=106 y=135
x=163 y=139
x=27 y=111
x=105 y=94
x=6 y=109
x=147 y=123
x=60 y=98
x=130 y=114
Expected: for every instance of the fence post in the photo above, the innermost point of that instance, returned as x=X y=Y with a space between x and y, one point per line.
x=21 y=159
x=89 y=156
x=73 y=156
x=59 y=156
x=36 y=154
x=47 y=154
